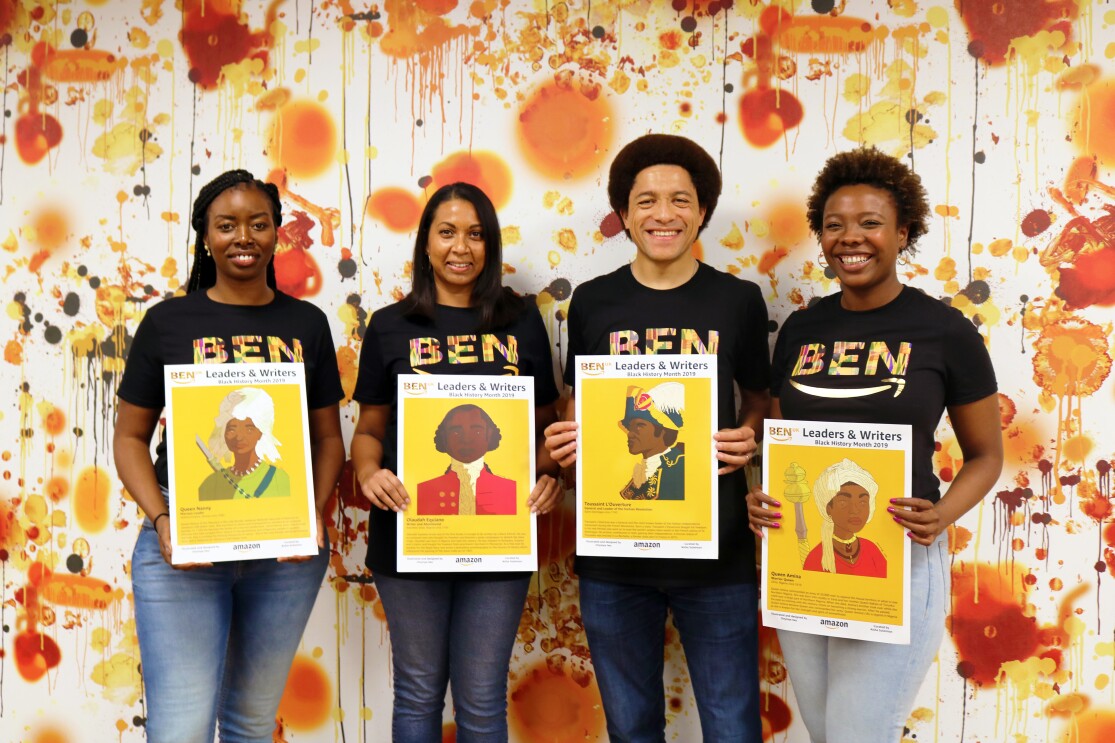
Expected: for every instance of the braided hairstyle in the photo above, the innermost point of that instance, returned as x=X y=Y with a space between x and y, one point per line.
x=204 y=272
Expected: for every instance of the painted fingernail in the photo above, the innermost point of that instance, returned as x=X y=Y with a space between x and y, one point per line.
x=778 y=503
x=897 y=520
x=890 y=510
x=776 y=515
x=893 y=500
x=775 y=526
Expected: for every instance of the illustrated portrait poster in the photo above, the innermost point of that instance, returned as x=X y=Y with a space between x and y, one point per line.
x=646 y=467
x=241 y=483
x=839 y=565
x=466 y=457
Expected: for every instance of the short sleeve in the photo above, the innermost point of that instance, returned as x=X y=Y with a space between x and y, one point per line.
x=779 y=362
x=541 y=358
x=325 y=388
x=373 y=384
x=971 y=376
x=576 y=337
x=142 y=383
x=753 y=371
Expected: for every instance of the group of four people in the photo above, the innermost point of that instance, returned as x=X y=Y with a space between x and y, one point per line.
x=216 y=641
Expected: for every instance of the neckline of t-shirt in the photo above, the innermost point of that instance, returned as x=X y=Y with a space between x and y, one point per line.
x=237 y=307
x=688 y=282
x=900 y=297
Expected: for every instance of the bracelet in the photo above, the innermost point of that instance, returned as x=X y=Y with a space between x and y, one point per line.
x=155 y=523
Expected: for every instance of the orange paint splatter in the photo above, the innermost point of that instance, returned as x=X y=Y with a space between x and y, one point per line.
x=54 y=420
x=79 y=591
x=13 y=352
x=485 y=170
x=56 y=489
x=396 y=208
x=823 y=34
x=49 y=735
x=1071 y=358
x=307 y=698
x=414 y=30
x=1090 y=726
x=772 y=258
x=565 y=133
x=91 y=499
x=303 y=139
x=82 y=66
x=548 y=707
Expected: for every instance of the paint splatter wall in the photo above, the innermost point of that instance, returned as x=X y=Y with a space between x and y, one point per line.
x=114 y=113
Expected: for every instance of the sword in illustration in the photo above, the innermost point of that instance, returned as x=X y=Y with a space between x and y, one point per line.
x=215 y=464
x=796 y=490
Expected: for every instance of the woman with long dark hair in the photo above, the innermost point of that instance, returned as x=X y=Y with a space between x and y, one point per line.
x=216 y=640
x=455 y=629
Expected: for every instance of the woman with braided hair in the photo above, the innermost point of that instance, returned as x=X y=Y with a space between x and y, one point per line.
x=216 y=640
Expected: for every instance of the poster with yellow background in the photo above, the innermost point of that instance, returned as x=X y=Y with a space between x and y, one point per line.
x=466 y=458
x=839 y=565
x=646 y=466
x=241 y=485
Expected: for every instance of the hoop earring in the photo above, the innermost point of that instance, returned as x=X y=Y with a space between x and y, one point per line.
x=903 y=258
x=821 y=259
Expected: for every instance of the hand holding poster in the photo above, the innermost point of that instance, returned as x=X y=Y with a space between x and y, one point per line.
x=838 y=566
x=241 y=484
x=466 y=457
x=646 y=465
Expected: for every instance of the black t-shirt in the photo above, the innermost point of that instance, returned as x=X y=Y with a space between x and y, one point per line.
x=397 y=343
x=715 y=313
x=196 y=330
x=923 y=354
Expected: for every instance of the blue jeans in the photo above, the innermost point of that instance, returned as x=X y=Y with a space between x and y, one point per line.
x=718 y=626
x=216 y=643
x=855 y=691
x=457 y=633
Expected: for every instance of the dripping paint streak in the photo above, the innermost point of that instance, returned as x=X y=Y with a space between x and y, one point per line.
x=348 y=173
x=972 y=206
x=193 y=164
x=3 y=563
x=963 y=710
x=1022 y=328
x=723 y=93
x=297 y=20
x=310 y=36
x=3 y=156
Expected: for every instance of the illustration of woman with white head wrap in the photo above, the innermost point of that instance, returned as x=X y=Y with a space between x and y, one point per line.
x=845 y=496
x=242 y=450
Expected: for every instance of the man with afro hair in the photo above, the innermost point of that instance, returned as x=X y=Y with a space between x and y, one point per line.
x=665 y=189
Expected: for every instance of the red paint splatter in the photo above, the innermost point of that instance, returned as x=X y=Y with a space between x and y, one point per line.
x=35 y=654
x=296 y=271
x=992 y=26
x=1090 y=280
x=1036 y=222
x=611 y=225
x=213 y=36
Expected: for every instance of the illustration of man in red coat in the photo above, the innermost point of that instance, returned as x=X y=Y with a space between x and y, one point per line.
x=468 y=487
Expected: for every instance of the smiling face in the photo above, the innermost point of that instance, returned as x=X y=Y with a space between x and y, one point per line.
x=643 y=438
x=241 y=235
x=241 y=436
x=861 y=240
x=466 y=436
x=456 y=249
x=663 y=216
x=849 y=510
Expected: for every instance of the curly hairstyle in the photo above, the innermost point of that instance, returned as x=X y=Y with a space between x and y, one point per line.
x=204 y=272
x=498 y=305
x=664 y=149
x=441 y=435
x=870 y=167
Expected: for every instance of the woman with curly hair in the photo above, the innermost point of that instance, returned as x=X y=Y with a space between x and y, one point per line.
x=831 y=362
x=216 y=640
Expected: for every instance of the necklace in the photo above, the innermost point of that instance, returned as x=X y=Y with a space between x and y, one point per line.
x=252 y=469
x=846 y=551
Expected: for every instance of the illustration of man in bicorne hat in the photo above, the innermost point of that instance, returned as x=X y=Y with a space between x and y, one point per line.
x=652 y=420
